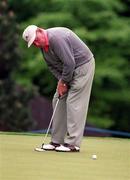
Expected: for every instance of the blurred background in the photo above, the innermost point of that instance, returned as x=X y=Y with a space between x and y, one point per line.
x=27 y=86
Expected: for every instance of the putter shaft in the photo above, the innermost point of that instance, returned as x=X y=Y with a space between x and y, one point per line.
x=51 y=121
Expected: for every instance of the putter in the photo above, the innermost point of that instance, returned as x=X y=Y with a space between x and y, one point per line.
x=40 y=149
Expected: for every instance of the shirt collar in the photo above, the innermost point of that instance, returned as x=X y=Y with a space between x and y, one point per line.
x=46 y=47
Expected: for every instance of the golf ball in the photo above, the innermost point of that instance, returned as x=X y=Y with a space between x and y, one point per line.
x=94 y=156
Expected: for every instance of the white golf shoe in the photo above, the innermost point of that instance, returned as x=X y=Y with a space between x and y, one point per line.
x=50 y=147
x=67 y=148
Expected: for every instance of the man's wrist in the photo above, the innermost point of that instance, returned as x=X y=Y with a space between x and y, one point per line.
x=63 y=82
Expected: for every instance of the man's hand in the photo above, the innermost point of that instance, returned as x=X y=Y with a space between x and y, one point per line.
x=62 y=88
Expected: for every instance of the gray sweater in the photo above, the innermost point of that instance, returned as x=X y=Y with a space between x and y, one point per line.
x=66 y=52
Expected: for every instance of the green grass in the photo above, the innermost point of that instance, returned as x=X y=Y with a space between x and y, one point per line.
x=19 y=161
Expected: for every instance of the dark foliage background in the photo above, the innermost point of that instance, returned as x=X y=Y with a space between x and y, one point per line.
x=102 y=25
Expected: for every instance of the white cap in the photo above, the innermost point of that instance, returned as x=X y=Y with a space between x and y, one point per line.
x=29 y=34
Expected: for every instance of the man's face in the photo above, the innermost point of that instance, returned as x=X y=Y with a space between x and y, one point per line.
x=39 y=41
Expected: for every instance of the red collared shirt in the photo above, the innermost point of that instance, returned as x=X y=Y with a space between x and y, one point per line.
x=46 y=47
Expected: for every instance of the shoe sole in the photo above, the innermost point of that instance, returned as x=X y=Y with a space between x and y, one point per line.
x=49 y=149
x=71 y=151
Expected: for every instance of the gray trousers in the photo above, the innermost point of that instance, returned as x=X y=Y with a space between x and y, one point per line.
x=70 y=117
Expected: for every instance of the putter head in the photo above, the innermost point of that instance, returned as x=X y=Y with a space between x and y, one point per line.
x=39 y=149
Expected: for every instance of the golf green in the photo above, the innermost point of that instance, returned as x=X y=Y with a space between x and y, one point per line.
x=19 y=161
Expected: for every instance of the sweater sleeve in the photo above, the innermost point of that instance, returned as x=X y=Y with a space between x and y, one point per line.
x=51 y=67
x=63 y=50
x=54 y=71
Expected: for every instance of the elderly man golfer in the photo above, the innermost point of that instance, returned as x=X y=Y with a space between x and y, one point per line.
x=72 y=63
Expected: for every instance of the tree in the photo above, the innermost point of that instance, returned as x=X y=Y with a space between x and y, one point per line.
x=13 y=98
x=104 y=26
x=108 y=39
x=9 y=39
